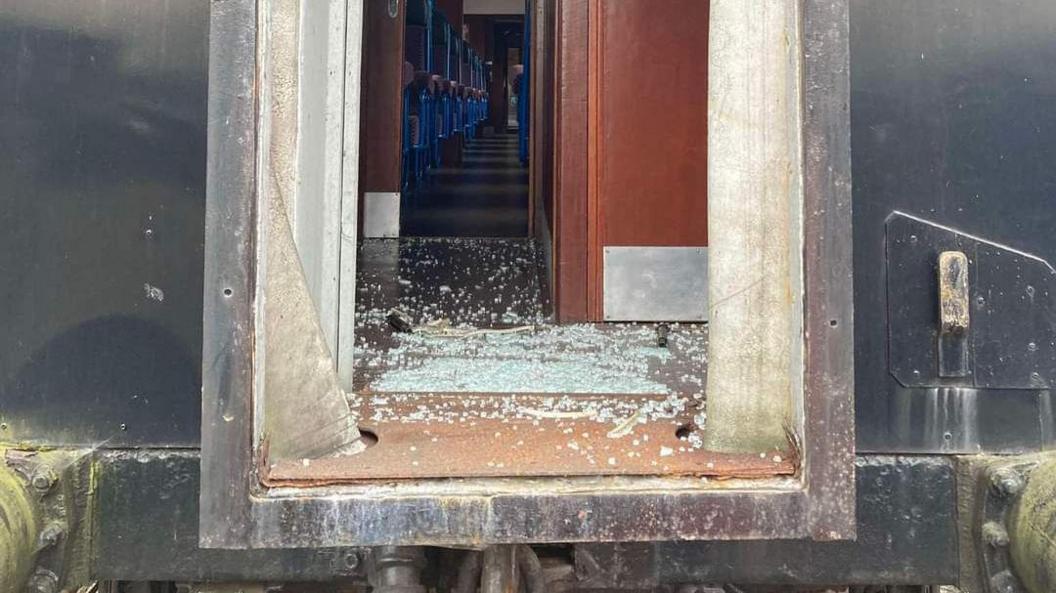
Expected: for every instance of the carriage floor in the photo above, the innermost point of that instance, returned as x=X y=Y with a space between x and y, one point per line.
x=486 y=195
x=481 y=324
x=478 y=380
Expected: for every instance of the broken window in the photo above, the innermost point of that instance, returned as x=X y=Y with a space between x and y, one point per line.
x=376 y=357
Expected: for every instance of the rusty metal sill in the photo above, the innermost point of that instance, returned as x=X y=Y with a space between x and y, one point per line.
x=484 y=511
x=465 y=490
x=457 y=435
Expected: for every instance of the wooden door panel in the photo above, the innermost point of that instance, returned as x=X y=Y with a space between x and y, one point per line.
x=652 y=86
x=648 y=131
x=631 y=170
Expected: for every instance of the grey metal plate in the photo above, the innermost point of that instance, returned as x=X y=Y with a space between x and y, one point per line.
x=656 y=283
x=381 y=215
x=1012 y=343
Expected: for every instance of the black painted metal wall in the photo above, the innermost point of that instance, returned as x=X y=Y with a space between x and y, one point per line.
x=102 y=164
x=102 y=191
x=953 y=122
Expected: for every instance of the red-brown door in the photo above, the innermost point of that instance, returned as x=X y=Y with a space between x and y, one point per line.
x=646 y=147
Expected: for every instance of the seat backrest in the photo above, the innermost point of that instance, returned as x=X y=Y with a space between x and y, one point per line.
x=415 y=126
x=423 y=81
x=516 y=73
x=408 y=74
x=414 y=46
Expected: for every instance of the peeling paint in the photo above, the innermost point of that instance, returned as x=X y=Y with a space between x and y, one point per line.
x=153 y=292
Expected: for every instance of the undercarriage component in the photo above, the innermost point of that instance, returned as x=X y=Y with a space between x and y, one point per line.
x=1008 y=524
x=501 y=569
x=1031 y=533
x=19 y=529
x=499 y=574
x=397 y=569
x=44 y=541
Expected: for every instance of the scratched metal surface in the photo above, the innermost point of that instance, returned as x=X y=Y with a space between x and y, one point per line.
x=953 y=124
x=102 y=165
x=906 y=534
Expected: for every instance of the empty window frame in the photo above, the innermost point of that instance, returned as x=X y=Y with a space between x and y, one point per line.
x=271 y=395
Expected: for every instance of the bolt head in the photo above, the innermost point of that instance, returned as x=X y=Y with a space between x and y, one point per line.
x=50 y=535
x=1007 y=482
x=43 y=581
x=351 y=561
x=995 y=534
x=43 y=479
x=1004 y=582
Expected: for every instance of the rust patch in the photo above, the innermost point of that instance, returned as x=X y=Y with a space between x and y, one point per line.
x=521 y=435
x=953 y=292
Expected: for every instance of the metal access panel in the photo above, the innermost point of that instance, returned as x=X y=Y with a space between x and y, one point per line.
x=952 y=154
x=103 y=150
x=656 y=284
x=270 y=398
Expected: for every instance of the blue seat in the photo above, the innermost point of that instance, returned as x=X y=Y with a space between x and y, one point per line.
x=445 y=110
x=406 y=140
x=457 y=107
x=436 y=123
x=466 y=118
x=421 y=119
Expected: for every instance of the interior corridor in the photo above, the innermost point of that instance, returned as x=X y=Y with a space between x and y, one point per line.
x=484 y=196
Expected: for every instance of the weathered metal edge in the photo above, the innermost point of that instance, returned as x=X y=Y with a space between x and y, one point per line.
x=232 y=517
x=228 y=319
x=524 y=517
x=827 y=255
x=907 y=535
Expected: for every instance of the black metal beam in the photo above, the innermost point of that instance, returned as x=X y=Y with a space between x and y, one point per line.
x=147 y=529
x=146 y=519
x=907 y=535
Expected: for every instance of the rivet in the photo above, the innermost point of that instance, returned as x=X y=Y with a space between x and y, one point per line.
x=43 y=479
x=995 y=534
x=1007 y=482
x=44 y=581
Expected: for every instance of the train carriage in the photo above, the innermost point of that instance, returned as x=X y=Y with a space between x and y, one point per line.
x=448 y=295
